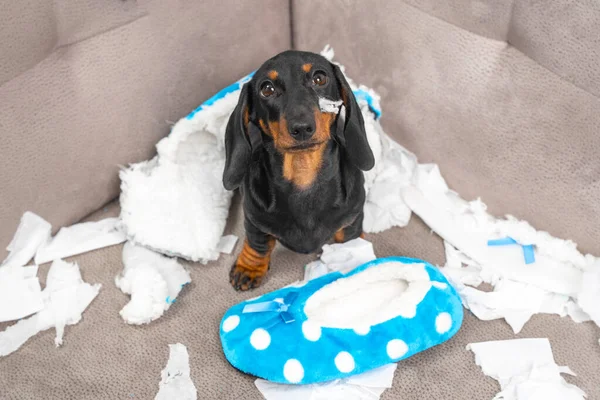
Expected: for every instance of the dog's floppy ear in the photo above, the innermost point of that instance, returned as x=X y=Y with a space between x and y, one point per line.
x=352 y=135
x=238 y=150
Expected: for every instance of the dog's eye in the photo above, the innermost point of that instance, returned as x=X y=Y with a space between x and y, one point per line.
x=267 y=89
x=319 y=79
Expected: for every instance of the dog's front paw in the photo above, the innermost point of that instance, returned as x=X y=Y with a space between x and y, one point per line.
x=243 y=277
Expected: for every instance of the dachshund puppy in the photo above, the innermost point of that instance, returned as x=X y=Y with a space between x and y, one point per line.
x=298 y=168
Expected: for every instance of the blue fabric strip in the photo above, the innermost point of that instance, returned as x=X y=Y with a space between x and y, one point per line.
x=502 y=242
x=528 y=251
x=363 y=95
x=222 y=93
x=528 y=254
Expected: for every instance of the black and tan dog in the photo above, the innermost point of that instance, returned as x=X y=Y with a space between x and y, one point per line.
x=299 y=169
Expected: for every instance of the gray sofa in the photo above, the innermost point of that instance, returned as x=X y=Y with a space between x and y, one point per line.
x=503 y=95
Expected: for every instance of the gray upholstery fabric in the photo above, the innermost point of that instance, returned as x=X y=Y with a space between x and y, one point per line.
x=517 y=126
x=88 y=86
x=105 y=359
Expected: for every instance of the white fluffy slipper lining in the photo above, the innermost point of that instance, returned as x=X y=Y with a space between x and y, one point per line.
x=375 y=295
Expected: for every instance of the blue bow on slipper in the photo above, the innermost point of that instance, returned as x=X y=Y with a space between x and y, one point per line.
x=274 y=306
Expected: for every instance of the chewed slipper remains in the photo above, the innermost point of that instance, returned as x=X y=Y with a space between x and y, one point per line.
x=342 y=324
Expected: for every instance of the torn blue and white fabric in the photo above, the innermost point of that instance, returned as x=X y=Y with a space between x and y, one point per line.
x=181 y=188
x=153 y=281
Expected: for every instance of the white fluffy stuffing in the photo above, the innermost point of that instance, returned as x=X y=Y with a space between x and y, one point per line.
x=176 y=203
x=153 y=281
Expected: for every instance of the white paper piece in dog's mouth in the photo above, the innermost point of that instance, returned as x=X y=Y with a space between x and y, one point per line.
x=153 y=281
x=33 y=231
x=176 y=382
x=66 y=297
x=81 y=238
x=525 y=369
x=366 y=386
x=330 y=106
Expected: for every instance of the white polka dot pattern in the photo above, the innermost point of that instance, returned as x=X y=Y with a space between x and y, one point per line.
x=344 y=362
x=443 y=323
x=231 y=323
x=311 y=331
x=260 y=339
x=396 y=348
x=293 y=371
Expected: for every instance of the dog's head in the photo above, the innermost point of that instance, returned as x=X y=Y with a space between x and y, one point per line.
x=282 y=102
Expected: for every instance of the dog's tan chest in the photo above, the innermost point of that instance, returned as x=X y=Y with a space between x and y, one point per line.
x=302 y=168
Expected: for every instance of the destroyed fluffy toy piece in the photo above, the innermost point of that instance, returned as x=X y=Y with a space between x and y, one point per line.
x=183 y=191
x=305 y=333
x=182 y=186
x=153 y=281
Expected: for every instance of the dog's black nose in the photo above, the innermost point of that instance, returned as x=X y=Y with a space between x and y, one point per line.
x=302 y=130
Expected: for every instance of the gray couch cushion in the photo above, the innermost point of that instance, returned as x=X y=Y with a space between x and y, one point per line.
x=87 y=86
x=521 y=135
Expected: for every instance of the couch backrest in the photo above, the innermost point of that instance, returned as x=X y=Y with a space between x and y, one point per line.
x=503 y=95
x=87 y=86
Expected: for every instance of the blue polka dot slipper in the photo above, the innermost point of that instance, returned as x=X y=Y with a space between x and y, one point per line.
x=342 y=324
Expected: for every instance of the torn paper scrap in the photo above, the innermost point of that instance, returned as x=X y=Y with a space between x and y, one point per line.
x=394 y=166
x=460 y=269
x=153 y=281
x=227 y=244
x=560 y=280
x=588 y=298
x=514 y=301
x=66 y=297
x=467 y=227
x=525 y=369
x=176 y=382
x=366 y=386
x=20 y=292
x=80 y=238
x=576 y=313
x=340 y=257
x=329 y=106
x=32 y=232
